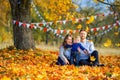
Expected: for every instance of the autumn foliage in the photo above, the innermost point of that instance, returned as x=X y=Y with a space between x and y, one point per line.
x=40 y=65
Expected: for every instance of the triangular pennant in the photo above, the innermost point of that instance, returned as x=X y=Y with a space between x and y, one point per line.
x=37 y=24
x=32 y=26
x=45 y=29
x=17 y=22
x=77 y=20
x=48 y=29
x=51 y=29
x=98 y=29
x=20 y=23
x=35 y=9
x=58 y=31
x=28 y=25
x=114 y=24
x=63 y=37
x=40 y=24
x=41 y=18
x=61 y=22
x=50 y=23
x=64 y=22
x=105 y=32
x=95 y=29
x=55 y=31
x=68 y=31
x=61 y=31
x=108 y=30
x=14 y=21
x=64 y=31
x=44 y=23
x=41 y=28
x=109 y=26
x=95 y=17
x=24 y=25
x=106 y=27
x=91 y=30
x=103 y=28
x=74 y=31
x=37 y=12
x=119 y=22
x=57 y=22
x=82 y=19
x=35 y=27
x=47 y=26
x=39 y=15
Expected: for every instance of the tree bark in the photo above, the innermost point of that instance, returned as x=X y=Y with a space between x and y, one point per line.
x=23 y=38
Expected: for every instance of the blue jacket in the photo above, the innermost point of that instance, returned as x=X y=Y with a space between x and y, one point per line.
x=75 y=47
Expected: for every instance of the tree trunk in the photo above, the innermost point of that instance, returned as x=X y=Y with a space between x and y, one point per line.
x=23 y=38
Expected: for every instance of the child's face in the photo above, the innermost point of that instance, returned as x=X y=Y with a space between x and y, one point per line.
x=76 y=40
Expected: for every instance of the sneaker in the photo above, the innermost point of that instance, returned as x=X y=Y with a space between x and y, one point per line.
x=97 y=64
x=100 y=65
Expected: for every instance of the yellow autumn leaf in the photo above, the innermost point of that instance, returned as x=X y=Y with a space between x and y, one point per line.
x=117 y=44
x=116 y=33
x=79 y=26
x=5 y=78
x=87 y=28
x=92 y=58
x=108 y=43
x=88 y=22
x=91 y=19
x=96 y=1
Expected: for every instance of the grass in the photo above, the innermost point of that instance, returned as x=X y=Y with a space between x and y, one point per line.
x=102 y=51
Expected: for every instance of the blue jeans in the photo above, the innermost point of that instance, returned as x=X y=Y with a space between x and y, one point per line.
x=88 y=61
x=74 y=59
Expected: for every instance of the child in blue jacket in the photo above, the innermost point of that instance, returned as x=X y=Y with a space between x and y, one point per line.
x=75 y=51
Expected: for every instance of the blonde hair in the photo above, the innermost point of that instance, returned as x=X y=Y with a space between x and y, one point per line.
x=76 y=37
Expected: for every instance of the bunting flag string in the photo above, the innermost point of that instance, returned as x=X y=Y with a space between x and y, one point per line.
x=44 y=23
x=77 y=20
x=59 y=31
x=102 y=33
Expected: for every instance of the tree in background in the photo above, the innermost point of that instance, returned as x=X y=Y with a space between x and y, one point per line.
x=23 y=38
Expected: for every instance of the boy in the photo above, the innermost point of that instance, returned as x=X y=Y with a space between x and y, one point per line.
x=75 y=51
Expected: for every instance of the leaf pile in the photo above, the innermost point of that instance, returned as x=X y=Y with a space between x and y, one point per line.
x=40 y=65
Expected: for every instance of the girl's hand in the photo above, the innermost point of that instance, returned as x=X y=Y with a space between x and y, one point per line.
x=66 y=61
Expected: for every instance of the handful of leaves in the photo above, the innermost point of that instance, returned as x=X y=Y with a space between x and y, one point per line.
x=92 y=58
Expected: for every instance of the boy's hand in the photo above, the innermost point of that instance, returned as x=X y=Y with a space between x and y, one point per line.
x=78 y=49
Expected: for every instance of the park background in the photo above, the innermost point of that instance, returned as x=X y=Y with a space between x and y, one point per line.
x=50 y=21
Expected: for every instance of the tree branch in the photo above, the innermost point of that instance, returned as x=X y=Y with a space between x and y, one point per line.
x=108 y=3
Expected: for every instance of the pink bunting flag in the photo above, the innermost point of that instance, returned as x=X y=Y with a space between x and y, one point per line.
x=31 y=26
x=95 y=29
x=17 y=22
x=24 y=25
x=61 y=31
x=45 y=29
x=106 y=27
